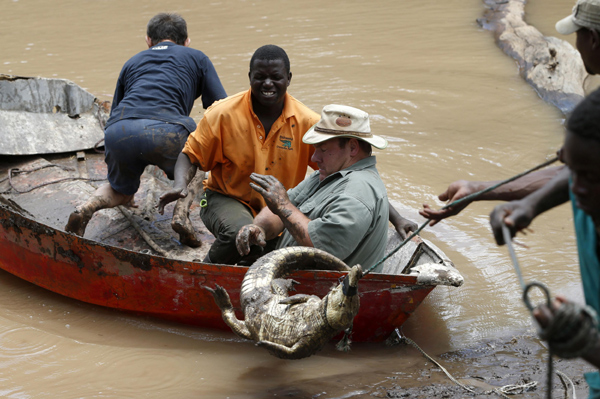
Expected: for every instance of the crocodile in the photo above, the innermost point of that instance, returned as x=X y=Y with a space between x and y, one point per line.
x=291 y=327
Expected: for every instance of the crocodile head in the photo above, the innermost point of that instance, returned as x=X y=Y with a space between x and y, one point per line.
x=342 y=301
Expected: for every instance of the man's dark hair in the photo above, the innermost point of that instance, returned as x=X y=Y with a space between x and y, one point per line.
x=165 y=26
x=585 y=119
x=270 y=52
x=366 y=147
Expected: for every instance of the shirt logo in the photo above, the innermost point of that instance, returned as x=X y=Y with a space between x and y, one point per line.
x=286 y=143
x=160 y=48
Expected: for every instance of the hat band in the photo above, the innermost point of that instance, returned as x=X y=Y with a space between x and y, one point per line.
x=342 y=132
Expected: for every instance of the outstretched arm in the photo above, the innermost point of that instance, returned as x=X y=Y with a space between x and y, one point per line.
x=514 y=190
x=224 y=303
x=517 y=215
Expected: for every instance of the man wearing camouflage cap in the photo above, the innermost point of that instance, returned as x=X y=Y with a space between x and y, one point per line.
x=585 y=20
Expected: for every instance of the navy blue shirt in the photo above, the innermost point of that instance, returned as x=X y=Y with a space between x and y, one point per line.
x=162 y=83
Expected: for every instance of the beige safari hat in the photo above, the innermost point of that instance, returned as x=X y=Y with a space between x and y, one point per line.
x=343 y=121
x=586 y=14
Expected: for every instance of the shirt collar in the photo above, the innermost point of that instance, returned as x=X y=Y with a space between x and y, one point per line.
x=289 y=106
x=360 y=165
x=165 y=43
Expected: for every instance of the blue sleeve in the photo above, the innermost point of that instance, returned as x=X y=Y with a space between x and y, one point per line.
x=212 y=89
x=119 y=90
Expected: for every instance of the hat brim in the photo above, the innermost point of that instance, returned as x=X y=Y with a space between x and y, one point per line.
x=567 y=25
x=314 y=137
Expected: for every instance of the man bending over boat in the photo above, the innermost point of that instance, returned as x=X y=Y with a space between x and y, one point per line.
x=149 y=120
x=341 y=208
x=256 y=131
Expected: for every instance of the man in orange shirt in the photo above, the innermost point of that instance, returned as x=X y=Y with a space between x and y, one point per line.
x=259 y=130
x=255 y=131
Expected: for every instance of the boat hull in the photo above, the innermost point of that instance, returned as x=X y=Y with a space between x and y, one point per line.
x=173 y=290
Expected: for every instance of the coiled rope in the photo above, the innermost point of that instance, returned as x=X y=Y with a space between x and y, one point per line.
x=573 y=330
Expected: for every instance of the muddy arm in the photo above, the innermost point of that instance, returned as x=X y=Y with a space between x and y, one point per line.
x=181 y=222
x=184 y=173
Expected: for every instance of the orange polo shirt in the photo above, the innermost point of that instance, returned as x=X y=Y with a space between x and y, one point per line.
x=230 y=143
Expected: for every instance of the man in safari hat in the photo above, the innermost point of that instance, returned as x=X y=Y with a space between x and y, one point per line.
x=342 y=208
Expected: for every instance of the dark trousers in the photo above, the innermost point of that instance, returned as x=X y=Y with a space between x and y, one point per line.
x=224 y=216
x=133 y=144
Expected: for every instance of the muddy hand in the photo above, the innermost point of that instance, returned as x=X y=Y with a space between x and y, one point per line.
x=170 y=196
x=272 y=190
x=405 y=227
x=517 y=215
x=248 y=235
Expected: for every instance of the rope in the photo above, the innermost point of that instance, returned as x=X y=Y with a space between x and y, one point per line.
x=508 y=389
x=17 y=170
x=572 y=332
x=502 y=391
x=564 y=377
x=467 y=198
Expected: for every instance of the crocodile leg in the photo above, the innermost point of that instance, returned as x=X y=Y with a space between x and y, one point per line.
x=297 y=351
x=298 y=298
x=222 y=299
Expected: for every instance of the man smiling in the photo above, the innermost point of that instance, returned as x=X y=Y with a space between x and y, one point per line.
x=259 y=130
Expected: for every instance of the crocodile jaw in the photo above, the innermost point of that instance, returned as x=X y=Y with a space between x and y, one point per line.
x=342 y=308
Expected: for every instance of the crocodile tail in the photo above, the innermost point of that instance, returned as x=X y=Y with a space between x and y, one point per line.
x=282 y=262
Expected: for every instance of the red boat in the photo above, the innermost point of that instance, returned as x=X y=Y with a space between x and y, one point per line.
x=115 y=267
x=173 y=290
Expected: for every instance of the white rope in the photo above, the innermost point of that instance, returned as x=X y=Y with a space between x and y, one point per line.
x=564 y=377
x=502 y=391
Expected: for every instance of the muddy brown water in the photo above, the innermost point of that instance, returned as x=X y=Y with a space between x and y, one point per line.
x=452 y=106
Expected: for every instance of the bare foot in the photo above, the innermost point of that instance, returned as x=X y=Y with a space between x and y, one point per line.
x=132 y=203
x=187 y=235
x=77 y=223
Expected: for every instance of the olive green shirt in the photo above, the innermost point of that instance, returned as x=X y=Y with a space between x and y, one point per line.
x=349 y=213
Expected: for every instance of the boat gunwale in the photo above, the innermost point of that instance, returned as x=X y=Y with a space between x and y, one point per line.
x=197 y=268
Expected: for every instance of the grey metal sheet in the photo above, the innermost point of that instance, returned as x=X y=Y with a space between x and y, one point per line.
x=43 y=116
